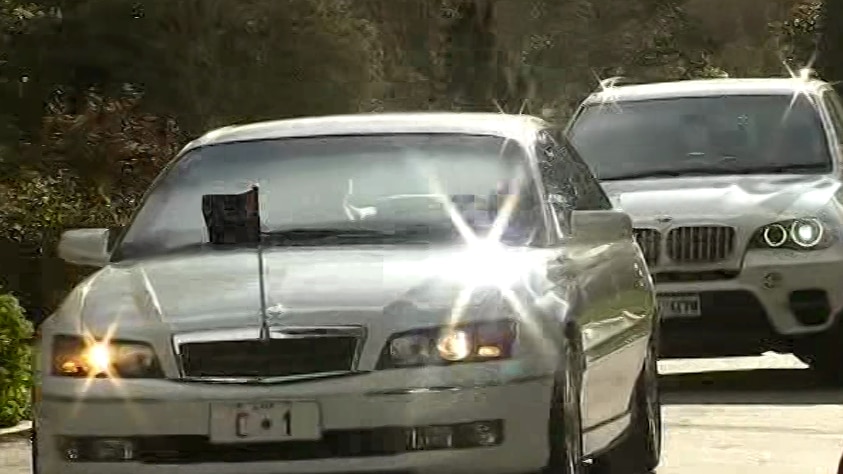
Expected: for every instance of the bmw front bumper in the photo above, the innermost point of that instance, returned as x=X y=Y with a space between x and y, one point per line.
x=778 y=297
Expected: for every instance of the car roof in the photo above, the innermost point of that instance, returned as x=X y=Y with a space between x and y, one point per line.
x=706 y=87
x=516 y=127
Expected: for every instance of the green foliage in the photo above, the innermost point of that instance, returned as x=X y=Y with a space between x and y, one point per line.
x=92 y=168
x=15 y=362
x=830 y=47
x=206 y=63
x=799 y=32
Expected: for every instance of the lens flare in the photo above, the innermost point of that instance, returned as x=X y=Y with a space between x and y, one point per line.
x=802 y=78
x=454 y=345
x=98 y=358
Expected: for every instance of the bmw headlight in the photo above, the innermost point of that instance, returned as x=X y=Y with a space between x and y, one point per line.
x=806 y=233
x=801 y=234
x=471 y=342
x=77 y=356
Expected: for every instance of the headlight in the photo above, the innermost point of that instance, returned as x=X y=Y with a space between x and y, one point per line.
x=472 y=342
x=806 y=233
x=76 y=356
x=800 y=234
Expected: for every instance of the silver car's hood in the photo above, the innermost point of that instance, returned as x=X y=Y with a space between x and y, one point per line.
x=722 y=198
x=305 y=286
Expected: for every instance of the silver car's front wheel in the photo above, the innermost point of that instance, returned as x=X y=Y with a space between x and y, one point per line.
x=640 y=451
x=565 y=423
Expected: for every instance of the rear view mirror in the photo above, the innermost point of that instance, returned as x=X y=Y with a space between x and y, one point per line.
x=85 y=247
x=600 y=226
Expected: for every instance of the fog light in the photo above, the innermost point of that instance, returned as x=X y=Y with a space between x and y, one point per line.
x=478 y=434
x=489 y=351
x=112 y=449
x=483 y=434
x=434 y=437
x=71 y=453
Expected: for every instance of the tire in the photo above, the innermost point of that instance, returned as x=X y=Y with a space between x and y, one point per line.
x=827 y=364
x=824 y=355
x=565 y=423
x=33 y=443
x=640 y=451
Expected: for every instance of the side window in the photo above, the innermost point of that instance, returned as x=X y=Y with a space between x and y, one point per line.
x=565 y=173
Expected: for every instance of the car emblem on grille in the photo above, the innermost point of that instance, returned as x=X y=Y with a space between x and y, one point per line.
x=664 y=219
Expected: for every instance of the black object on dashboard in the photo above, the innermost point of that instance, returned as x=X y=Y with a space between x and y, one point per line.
x=232 y=218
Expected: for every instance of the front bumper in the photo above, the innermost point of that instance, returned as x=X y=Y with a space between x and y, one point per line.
x=364 y=422
x=778 y=297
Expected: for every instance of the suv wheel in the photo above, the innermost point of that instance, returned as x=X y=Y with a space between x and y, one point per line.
x=824 y=354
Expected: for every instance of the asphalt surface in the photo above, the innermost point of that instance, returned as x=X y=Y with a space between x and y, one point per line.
x=749 y=416
x=744 y=416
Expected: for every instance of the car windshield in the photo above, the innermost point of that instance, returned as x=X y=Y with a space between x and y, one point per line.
x=739 y=134
x=345 y=189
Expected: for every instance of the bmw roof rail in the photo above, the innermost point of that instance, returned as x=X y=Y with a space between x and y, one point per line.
x=807 y=74
x=614 y=81
x=617 y=81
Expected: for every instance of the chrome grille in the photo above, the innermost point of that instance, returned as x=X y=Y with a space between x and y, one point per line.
x=700 y=244
x=285 y=355
x=650 y=242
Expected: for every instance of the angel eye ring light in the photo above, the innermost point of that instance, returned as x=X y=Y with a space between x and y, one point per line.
x=770 y=233
x=806 y=233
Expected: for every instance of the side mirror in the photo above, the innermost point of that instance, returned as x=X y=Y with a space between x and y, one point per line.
x=113 y=234
x=85 y=247
x=600 y=226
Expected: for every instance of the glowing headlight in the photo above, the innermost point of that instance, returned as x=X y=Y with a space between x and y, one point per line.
x=454 y=345
x=806 y=232
x=799 y=234
x=473 y=342
x=74 y=356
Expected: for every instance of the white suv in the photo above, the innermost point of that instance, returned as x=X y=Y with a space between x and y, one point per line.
x=734 y=186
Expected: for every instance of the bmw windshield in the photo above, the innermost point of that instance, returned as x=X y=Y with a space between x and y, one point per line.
x=737 y=134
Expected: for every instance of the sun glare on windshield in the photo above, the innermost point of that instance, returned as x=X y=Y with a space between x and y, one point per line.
x=485 y=262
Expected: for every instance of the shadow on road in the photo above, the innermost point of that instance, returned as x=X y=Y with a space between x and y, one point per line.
x=748 y=387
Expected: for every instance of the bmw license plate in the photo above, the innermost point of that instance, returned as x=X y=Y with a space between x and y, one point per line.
x=679 y=306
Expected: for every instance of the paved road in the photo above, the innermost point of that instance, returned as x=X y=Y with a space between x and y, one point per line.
x=743 y=416
x=749 y=416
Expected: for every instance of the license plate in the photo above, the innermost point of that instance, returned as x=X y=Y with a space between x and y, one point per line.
x=679 y=306
x=265 y=421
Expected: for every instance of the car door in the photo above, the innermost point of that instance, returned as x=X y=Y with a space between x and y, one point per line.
x=612 y=286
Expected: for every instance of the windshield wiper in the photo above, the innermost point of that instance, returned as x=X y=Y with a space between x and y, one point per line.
x=785 y=168
x=671 y=173
x=408 y=234
x=309 y=233
x=722 y=170
x=405 y=233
